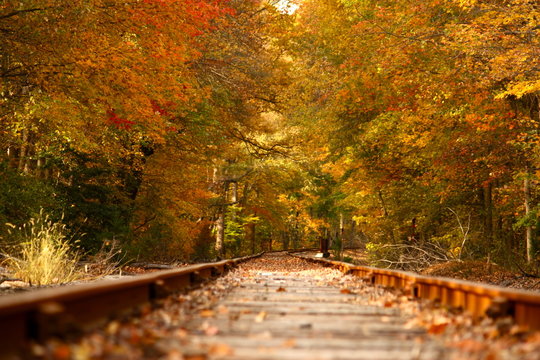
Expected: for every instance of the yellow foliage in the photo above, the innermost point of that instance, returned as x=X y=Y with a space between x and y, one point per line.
x=520 y=89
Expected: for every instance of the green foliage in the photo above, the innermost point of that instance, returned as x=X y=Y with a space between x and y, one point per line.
x=88 y=202
x=530 y=219
x=420 y=117
x=22 y=197
x=387 y=112
x=153 y=245
x=336 y=248
x=236 y=220
x=375 y=252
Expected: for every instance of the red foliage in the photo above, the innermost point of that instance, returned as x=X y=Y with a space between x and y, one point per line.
x=159 y=109
x=118 y=122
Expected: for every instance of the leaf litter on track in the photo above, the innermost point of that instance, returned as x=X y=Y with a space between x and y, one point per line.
x=166 y=330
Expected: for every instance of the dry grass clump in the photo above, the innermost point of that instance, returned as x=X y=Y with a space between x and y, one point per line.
x=44 y=254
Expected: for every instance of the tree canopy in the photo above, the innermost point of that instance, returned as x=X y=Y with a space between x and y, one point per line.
x=199 y=129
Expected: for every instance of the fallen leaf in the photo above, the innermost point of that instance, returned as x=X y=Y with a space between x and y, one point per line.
x=436 y=329
x=211 y=330
x=534 y=337
x=38 y=350
x=182 y=333
x=413 y=324
x=345 y=291
x=62 y=352
x=264 y=335
x=165 y=317
x=175 y=355
x=470 y=345
x=281 y=289
x=518 y=330
x=113 y=328
x=222 y=309
x=289 y=343
x=195 y=357
x=207 y=313
x=260 y=317
x=493 y=334
x=221 y=350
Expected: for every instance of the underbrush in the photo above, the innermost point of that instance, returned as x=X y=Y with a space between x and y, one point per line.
x=474 y=270
x=435 y=259
x=410 y=257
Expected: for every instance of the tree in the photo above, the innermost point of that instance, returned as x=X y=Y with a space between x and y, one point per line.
x=412 y=111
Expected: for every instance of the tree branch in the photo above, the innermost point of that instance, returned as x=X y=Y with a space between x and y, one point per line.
x=259 y=149
x=17 y=12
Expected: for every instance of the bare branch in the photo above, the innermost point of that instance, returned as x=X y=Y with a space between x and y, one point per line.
x=464 y=231
x=260 y=150
x=18 y=12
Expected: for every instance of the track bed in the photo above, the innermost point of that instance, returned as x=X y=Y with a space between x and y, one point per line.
x=279 y=307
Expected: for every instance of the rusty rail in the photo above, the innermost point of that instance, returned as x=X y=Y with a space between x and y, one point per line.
x=43 y=313
x=47 y=312
x=478 y=299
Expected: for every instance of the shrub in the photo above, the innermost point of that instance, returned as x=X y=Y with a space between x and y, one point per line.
x=44 y=254
x=21 y=197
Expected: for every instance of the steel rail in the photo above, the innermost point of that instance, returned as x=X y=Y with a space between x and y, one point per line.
x=42 y=313
x=39 y=314
x=476 y=298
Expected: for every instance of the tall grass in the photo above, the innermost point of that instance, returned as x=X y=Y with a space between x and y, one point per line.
x=44 y=254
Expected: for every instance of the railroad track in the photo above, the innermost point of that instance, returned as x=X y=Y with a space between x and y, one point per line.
x=289 y=314
x=477 y=299
x=40 y=314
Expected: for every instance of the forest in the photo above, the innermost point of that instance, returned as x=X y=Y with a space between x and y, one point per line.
x=199 y=129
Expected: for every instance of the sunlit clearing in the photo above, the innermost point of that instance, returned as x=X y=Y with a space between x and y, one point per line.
x=287 y=6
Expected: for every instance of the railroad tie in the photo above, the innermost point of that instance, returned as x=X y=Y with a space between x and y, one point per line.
x=299 y=314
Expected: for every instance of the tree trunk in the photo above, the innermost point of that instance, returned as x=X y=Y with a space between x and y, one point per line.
x=285 y=240
x=328 y=237
x=39 y=168
x=233 y=219
x=341 y=235
x=215 y=177
x=383 y=204
x=220 y=232
x=296 y=234
x=219 y=224
x=234 y=195
x=488 y=215
x=352 y=235
x=11 y=156
x=23 y=152
x=251 y=228
x=528 y=228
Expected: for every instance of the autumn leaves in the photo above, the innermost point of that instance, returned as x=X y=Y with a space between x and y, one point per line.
x=430 y=110
x=123 y=108
x=347 y=117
